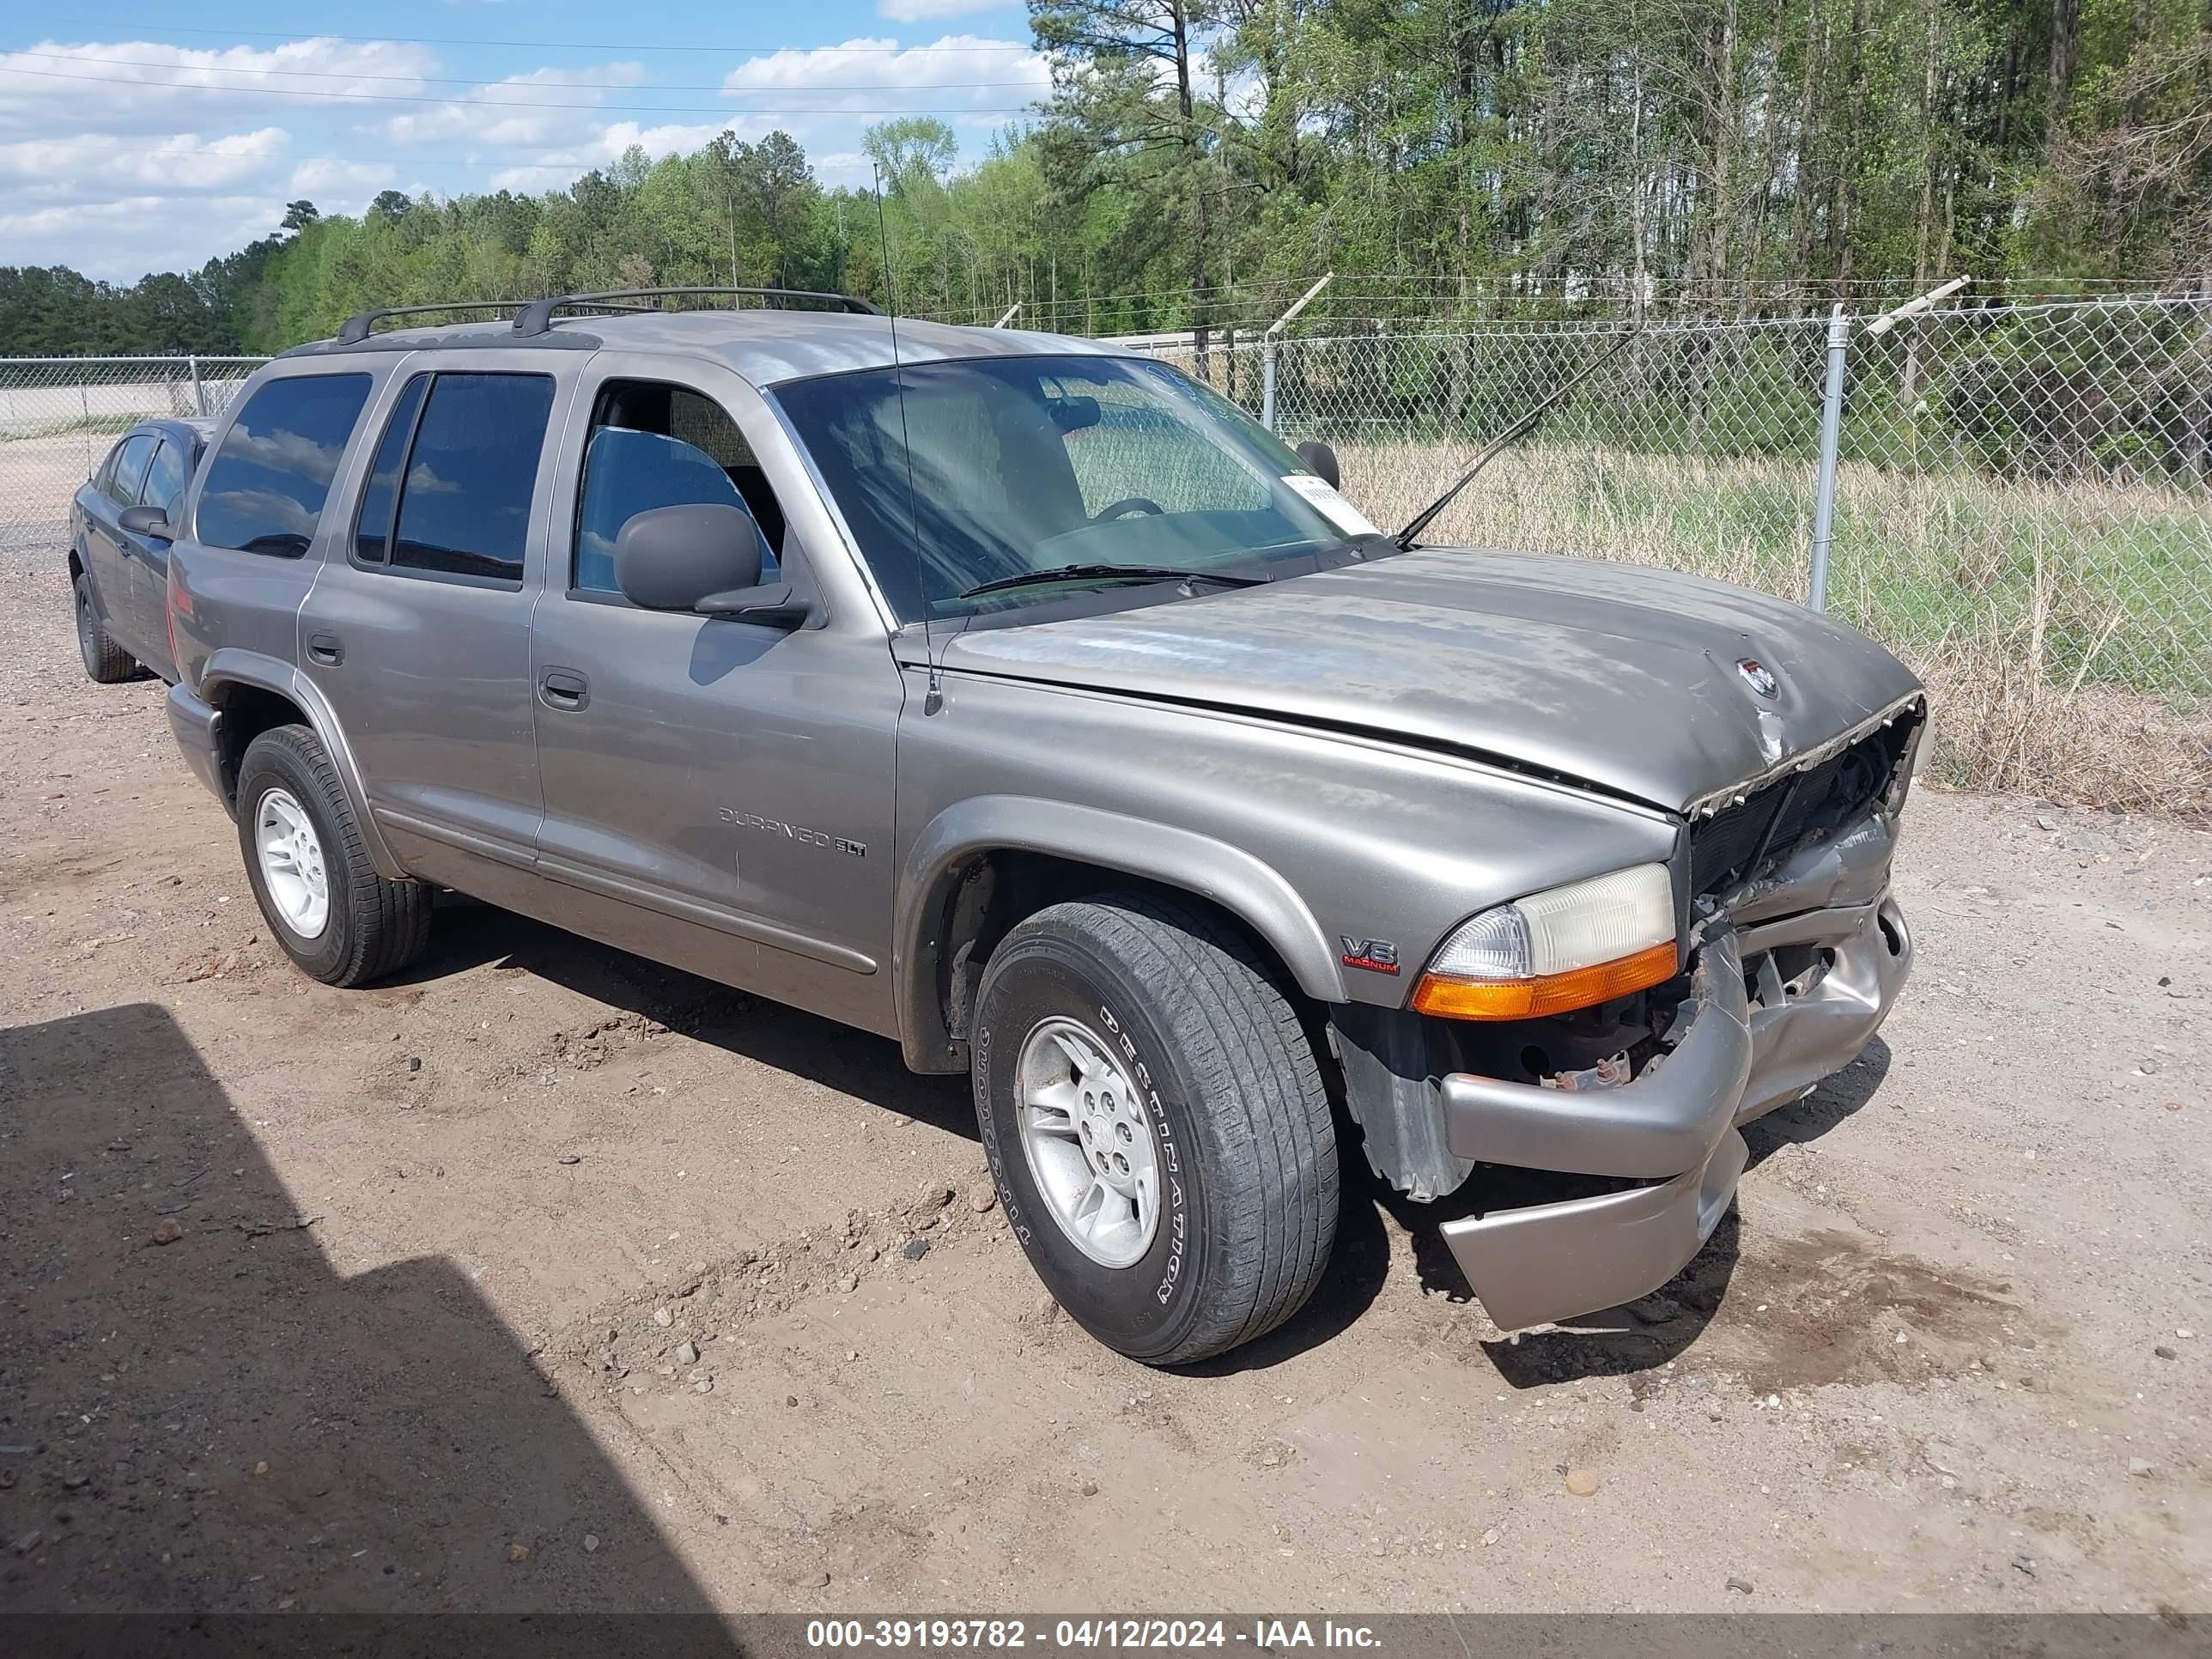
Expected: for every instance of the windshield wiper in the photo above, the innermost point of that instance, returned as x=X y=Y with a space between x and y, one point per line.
x=1526 y=425
x=1147 y=573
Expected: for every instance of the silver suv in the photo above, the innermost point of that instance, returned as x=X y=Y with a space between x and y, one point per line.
x=1022 y=700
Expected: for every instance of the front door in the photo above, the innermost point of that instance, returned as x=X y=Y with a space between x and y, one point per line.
x=418 y=629
x=718 y=794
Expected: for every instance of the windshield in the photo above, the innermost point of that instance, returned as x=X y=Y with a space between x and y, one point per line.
x=1022 y=464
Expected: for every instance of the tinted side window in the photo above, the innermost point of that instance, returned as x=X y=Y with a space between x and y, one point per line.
x=372 y=530
x=465 y=507
x=166 y=479
x=656 y=445
x=267 y=484
x=130 y=469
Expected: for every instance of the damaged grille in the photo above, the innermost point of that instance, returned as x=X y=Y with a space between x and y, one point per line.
x=1727 y=847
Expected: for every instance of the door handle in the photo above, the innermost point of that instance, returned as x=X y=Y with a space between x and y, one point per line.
x=563 y=687
x=326 y=649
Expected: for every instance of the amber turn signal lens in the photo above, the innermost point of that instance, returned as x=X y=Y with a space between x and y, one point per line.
x=1552 y=993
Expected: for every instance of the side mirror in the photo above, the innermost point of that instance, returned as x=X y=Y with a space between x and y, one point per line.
x=145 y=521
x=704 y=558
x=669 y=558
x=1320 y=461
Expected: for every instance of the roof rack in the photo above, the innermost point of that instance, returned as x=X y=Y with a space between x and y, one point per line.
x=357 y=326
x=537 y=317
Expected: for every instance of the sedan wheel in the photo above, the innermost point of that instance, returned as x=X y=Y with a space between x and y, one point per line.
x=104 y=661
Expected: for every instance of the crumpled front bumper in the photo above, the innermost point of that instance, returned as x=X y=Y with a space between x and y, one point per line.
x=1676 y=1124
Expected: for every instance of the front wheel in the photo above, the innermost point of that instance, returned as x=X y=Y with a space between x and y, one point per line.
x=1157 y=1125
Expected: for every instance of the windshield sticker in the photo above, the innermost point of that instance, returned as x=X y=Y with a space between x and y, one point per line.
x=1330 y=505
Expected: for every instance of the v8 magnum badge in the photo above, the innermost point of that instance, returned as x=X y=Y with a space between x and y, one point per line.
x=1759 y=676
x=1377 y=956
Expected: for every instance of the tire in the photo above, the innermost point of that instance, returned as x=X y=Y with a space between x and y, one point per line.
x=369 y=927
x=1243 y=1143
x=107 y=662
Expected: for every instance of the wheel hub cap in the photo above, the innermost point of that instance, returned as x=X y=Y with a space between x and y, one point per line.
x=1090 y=1142
x=291 y=858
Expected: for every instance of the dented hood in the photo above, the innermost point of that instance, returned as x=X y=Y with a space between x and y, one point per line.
x=1617 y=676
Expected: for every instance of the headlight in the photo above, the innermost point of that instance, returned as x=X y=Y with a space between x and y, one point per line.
x=1568 y=948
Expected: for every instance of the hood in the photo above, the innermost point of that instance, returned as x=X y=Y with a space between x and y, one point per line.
x=1617 y=676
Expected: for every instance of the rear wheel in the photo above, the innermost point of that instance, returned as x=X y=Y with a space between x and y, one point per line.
x=311 y=873
x=104 y=661
x=1157 y=1125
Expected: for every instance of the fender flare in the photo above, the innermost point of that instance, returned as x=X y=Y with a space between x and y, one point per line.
x=1253 y=892
x=234 y=665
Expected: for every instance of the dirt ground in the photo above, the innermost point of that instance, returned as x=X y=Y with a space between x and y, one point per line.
x=549 y=1279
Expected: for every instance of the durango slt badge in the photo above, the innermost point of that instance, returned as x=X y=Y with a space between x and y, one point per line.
x=821 y=838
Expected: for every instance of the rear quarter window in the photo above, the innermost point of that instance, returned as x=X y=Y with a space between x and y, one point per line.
x=268 y=484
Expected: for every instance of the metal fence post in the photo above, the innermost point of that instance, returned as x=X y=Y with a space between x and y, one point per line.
x=199 y=394
x=1832 y=434
x=1268 y=349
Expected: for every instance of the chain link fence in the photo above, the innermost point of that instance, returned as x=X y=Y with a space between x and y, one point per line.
x=59 y=415
x=2023 y=495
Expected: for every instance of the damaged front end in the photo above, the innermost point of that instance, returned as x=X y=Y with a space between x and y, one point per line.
x=1795 y=953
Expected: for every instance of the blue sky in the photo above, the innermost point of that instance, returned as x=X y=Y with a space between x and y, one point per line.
x=130 y=144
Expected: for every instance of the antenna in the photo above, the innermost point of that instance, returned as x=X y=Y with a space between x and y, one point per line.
x=1496 y=447
x=933 y=697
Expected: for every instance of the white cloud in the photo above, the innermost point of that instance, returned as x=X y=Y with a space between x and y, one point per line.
x=95 y=167
x=500 y=114
x=955 y=72
x=338 y=184
x=137 y=86
x=123 y=237
x=922 y=11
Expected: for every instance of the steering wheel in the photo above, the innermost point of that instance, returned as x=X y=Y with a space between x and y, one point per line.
x=1127 y=504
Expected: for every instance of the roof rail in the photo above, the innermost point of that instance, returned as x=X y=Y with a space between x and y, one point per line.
x=537 y=317
x=357 y=326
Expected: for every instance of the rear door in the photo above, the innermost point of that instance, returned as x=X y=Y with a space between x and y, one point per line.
x=418 y=629
x=147 y=556
x=108 y=550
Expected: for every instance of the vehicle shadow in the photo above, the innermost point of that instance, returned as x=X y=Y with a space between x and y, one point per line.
x=200 y=1411
x=857 y=1063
